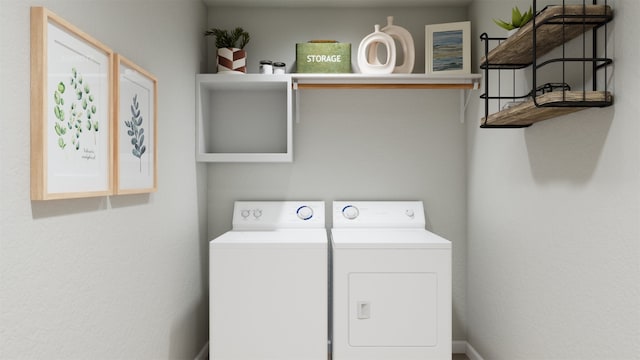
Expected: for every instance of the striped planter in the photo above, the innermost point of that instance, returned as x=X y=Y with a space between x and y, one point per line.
x=232 y=59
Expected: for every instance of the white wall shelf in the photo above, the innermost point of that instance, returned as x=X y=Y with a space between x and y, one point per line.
x=248 y=117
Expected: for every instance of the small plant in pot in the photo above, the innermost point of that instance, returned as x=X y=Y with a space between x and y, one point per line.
x=230 y=44
x=518 y=19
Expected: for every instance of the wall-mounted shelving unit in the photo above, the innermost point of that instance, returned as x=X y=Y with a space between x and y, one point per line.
x=248 y=117
x=552 y=27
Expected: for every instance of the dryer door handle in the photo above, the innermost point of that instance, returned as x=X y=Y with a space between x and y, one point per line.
x=364 y=310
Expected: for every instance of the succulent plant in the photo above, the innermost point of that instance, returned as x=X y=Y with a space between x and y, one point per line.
x=518 y=19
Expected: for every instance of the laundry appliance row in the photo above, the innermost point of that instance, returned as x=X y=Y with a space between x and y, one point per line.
x=378 y=288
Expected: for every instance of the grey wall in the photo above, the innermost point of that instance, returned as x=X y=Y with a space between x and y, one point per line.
x=275 y=31
x=356 y=144
x=118 y=277
x=554 y=220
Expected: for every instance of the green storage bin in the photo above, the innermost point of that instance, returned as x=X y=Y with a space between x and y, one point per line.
x=323 y=57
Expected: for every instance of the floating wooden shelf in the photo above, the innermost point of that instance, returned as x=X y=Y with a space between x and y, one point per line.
x=550 y=105
x=555 y=25
x=552 y=27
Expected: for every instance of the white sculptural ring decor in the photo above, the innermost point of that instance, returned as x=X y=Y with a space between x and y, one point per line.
x=405 y=40
x=368 y=61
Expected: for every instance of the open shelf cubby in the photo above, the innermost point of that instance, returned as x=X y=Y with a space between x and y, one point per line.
x=243 y=118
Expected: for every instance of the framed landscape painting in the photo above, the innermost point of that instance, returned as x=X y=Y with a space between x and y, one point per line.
x=135 y=128
x=448 y=48
x=71 y=76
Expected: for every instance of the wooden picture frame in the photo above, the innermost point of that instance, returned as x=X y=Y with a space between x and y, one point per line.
x=71 y=79
x=448 y=48
x=135 y=128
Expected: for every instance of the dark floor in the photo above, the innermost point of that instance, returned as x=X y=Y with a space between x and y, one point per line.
x=460 y=357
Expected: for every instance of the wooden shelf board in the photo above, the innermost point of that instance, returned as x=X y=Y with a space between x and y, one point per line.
x=528 y=113
x=386 y=81
x=386 y=86
x=517 y=49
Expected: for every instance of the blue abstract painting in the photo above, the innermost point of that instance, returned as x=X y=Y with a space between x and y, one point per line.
x=447 y=50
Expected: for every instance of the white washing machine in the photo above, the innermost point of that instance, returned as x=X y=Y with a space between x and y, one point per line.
x=268 y=295
x=391 y=283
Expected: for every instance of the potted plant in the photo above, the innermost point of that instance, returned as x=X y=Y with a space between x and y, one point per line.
x=518 y=19
x=230 y=45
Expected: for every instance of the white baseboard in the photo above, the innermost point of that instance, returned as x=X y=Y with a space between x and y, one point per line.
x=204 y=353
x=472 y=354
x=457 y=347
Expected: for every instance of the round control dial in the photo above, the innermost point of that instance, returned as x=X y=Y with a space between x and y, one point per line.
x=350 y=212
x=304 y=212
x=257 y=213
x=245 y=213
x=410 y=213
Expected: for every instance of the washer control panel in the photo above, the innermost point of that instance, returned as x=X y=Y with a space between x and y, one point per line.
x=378 y=214
x=271 y=215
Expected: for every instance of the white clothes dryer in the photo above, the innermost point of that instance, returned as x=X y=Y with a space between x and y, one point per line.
x=391 y=283
x=268 y=295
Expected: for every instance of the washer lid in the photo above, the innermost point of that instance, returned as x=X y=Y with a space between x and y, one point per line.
x=387 y=239
x=283 y=238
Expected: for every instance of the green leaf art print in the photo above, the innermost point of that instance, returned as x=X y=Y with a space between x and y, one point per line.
x=78 y=116
x=136 y=131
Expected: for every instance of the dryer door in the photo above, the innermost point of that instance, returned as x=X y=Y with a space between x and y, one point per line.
x=393 y=309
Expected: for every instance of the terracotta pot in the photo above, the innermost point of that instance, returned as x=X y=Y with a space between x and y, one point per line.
x=232 y=59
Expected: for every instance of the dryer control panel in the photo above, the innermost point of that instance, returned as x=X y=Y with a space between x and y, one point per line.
x=378 y=214
x=273 y=215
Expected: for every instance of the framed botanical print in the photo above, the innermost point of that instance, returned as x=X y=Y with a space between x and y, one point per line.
x=71 y=79
x=135 y=128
